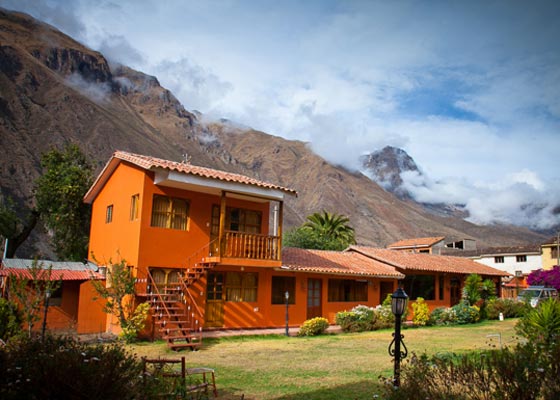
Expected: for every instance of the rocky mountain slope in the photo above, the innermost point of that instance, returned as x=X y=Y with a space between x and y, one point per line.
x=54 y=90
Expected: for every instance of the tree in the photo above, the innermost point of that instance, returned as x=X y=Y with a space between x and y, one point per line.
x=59 y=194
x=119 y=293
x=31 y=293
x=13 y=228
x=322 y=231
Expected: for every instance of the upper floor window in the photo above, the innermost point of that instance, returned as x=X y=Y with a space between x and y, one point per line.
x=237 y=219
x=499 y=259
x=109 y=214
x=134 y=203
x=522 y=258
x=170 y=212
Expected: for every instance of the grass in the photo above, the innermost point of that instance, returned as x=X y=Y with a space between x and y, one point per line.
x=341 y=366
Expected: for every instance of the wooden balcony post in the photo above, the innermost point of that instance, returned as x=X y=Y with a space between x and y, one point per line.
x=221 y=241
x=280 y=222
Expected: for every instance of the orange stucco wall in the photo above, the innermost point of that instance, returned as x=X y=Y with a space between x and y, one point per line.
x=91 y=318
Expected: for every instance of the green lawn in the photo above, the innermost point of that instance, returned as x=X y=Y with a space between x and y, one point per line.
x=341 y=366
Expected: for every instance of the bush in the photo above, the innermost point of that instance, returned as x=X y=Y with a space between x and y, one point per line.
x=62 y=368
x=493 y=374
x=313 y=327
x=541 y=325
x=443 y=316
x=509 y=308
x=466 y=314
x=421 y=312
x=359 y=319
x=10 y=320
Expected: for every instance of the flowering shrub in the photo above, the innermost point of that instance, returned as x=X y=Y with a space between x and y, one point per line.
x=313 y=327
x=508 y=307
x=359 y=319
x=466 y=314
x=421 y=312
x=443 y=316
x=550 y=278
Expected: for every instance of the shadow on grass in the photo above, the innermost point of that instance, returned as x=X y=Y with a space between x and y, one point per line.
x=361 y=390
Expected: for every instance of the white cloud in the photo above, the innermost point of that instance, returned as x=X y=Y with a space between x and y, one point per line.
x=471 y=90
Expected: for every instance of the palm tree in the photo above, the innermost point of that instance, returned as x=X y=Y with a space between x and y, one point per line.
x=332 y=226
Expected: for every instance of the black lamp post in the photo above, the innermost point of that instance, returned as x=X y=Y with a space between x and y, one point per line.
x=47 y=297
x=287 y=296
x=399 y=301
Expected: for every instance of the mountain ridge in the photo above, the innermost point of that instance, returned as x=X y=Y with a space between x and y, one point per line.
x=56 y=91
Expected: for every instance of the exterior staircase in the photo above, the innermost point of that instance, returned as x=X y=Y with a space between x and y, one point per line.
x=173 y=318
x=175 y=315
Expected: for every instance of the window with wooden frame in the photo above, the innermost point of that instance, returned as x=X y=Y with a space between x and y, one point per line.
x=170 y=212
x=240 y=286
x=109 y=214
x=281 y=285
x=347 y=290
x=499 y=259
x=134 y=204
x=522 y=258
x=237 y=219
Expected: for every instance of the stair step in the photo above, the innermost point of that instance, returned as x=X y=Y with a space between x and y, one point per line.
x=179 y=337
x=172 y=322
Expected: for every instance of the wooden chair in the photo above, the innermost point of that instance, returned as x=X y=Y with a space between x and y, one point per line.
x=177 y=382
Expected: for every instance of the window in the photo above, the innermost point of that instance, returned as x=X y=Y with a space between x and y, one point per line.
x=134 y=202
x=241 y=286
x=347 y=290
x=554 y=252
x=499 y=259
x=169 y=212
x=521 y=258
x=237 y=219
x=281 y=285
x=109 y=214
x=420 y=286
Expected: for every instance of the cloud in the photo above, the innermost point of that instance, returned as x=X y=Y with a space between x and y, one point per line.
x=95 y=91
x=196 y=87
x=520 y=199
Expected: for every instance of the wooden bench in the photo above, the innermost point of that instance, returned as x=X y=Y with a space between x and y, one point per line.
x=177 y=379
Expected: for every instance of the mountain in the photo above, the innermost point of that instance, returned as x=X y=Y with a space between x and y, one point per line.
x=54 y=90
x=385 y=167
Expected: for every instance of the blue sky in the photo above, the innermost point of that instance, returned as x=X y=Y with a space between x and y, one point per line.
x=470 y=89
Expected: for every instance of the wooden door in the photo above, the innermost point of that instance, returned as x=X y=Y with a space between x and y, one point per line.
x=385 y=288
x=314 y=306
x=214 y=316
x=455 y=290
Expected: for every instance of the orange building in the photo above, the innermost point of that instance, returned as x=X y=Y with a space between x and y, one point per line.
x=72 y=307
x=206 y=249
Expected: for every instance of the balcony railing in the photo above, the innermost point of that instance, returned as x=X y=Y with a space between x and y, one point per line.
x=250 y=245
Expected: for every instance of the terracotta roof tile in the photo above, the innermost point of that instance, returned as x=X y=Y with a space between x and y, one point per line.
x=148 y=163
x=335 y=262
x=407 y=262
x=417 y=242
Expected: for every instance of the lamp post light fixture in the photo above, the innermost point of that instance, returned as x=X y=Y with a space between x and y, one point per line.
x=399 y=300
x=47 y=298
x=287 y=297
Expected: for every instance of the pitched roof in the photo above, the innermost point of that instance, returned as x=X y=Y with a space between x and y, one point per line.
x=417 y=242
x=149 y=163
x=64 y=270
x=410 y=262
x=336 y=263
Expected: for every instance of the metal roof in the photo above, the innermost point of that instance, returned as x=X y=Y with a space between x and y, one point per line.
x=64 y=270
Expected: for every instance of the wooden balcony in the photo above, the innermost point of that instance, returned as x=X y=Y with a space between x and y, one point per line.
x=250 y=246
